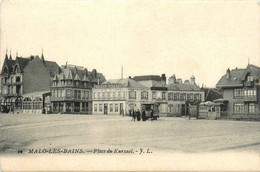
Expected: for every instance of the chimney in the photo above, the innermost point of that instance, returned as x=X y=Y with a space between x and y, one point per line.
x=130 y=77
x=164 y=77
x=179 y=80
x=228 y=73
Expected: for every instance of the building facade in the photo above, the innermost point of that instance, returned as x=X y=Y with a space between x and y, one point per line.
x=118 y=97
x=183 y=98
x=157 y=93
x=24 y=76
x=241 y=91
x=71 y=90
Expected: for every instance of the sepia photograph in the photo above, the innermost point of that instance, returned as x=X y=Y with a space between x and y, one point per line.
x=113 y=85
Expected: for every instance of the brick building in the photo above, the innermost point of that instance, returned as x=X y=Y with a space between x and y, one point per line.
x=183 y=98
x=71 y=89
x=241 y=91
x=118 y=96
x=23 y=76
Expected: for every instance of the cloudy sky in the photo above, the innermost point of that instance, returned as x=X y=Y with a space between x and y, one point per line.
x=181 y=38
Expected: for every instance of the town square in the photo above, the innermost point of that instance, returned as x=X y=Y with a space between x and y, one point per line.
x=135 y=85
x=88 y=132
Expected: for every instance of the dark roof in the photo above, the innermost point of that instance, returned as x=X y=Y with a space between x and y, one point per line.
x=212 y=94
x=237 y=76
x=52 y=67
x=183 y=87
x=22 y=62
x=148 y=77
x=124 y=82
x=80 y=75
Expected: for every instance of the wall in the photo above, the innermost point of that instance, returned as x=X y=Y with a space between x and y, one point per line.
x=36 y=77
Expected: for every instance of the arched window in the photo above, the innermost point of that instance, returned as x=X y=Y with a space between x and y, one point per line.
x=37 y=103
x=27 y=103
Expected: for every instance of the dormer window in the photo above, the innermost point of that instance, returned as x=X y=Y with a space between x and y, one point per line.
x=249 y=78
x=77 y=83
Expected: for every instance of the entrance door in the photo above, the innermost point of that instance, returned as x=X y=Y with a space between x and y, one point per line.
x=105 y=108
x=183 y=110
x=121 y=109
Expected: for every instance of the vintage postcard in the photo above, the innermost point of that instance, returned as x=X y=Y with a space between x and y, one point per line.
x=129 y=85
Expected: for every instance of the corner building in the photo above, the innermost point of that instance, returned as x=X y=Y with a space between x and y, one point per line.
x=71 y=89
x=118 y=97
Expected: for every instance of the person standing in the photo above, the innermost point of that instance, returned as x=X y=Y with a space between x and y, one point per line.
x=134 y=115
x=143 y=115
x=138 y=115
x=151 y=114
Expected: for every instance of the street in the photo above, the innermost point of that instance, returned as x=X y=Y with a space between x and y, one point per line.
x=88 y=132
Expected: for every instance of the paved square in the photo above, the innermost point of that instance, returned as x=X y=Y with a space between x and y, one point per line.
x=29 y=131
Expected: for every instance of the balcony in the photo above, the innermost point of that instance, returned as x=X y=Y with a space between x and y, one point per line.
x=249 y=83
x=250 y=99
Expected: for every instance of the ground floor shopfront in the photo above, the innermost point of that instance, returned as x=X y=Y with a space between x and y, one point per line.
x=124 y=107
x=83 y=107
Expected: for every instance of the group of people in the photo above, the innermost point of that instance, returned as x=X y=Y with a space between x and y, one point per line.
x=136 y=115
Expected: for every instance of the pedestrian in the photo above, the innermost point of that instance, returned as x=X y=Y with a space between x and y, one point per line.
x=143 y=115
x=130 y=112
x=134 y=115
x=151 y=114
x=138 y=115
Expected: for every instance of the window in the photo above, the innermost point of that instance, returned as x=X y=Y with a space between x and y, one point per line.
x=238 y=93
x=170 y=96
x=79 y=94
x=87 y=94
x=119 y=95
x=69 y=82
x=59 y=93
x=154 y=95
x=163 y=95
x=98 y=95
x=111 y=107
x=103 y=95
x=181 y=97
x=116 y=107
x=249 y=92
x=144 y=95
x=249 y=78
x=251 y=108
x=188 y=96
x=114 y=95
x=68 y=93
x=238 y=107
x=55 y=93
x=75 y=94
x=95 y=107
x=108 y=95
x=176 y=96
x=132 y=94
x=100 y=107
x=83 y=94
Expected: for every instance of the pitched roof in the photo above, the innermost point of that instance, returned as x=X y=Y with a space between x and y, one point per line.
x=148 y=77
x=80 y=75
x=183 y=87
x=22 y=62
x=237 y=76
x=125 y=82
x=51 y=67
x=212 y=94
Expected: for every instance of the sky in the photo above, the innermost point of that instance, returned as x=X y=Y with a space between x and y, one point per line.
x=156 y=37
